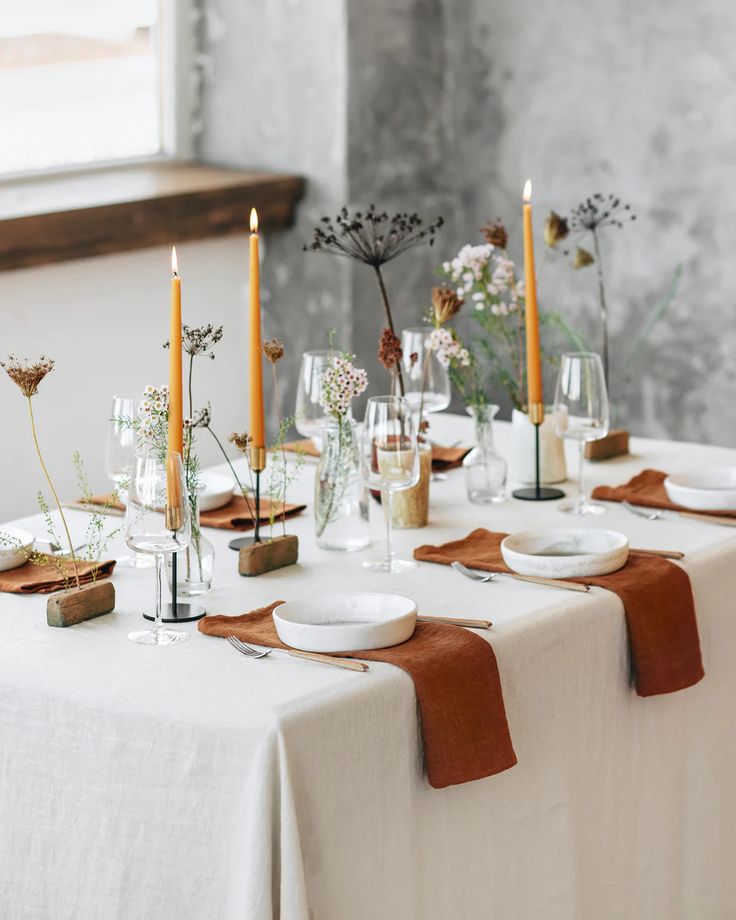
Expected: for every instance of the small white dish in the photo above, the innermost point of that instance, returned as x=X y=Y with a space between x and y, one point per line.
x=15 y=547
x=709 y=489
x=216 y=492
x=346 y=622
x=565 y=552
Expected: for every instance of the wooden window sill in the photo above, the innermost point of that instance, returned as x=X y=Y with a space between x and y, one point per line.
x=116 y=209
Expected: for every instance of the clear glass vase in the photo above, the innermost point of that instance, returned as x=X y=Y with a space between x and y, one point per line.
x=196 y=563
x=485 y=470
x=340 y=497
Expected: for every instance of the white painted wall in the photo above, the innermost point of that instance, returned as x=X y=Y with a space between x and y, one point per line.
x=104 y=321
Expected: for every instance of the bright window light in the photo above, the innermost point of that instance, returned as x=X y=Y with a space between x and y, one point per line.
x=79 y=82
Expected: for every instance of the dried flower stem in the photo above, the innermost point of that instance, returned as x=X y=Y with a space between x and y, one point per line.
x=389 y=322
x=243 y=490
x=283 y=448
x=602 y=298
x=53 y=491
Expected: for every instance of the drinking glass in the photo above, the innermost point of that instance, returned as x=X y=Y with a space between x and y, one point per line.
x=581 y=404
x=389 y=460
x=119 y=455
x=310 y=416
x=157 y=522
x=424 y=373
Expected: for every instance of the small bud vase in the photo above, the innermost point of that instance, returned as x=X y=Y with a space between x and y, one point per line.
x=523 y=451
x=411 y=506
x=340 y=498
x=195 y=563
x=485 y=470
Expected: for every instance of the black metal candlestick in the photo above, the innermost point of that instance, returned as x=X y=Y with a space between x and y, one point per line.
x=538 y=492
x=257 y=465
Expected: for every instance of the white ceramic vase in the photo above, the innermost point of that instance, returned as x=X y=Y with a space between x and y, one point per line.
x=552 y=449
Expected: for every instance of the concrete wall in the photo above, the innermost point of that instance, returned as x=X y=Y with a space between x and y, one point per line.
x=443 y=107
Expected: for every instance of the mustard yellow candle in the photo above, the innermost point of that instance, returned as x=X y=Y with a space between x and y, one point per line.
x=533 y=352
x=176 y=413
x=257 y=427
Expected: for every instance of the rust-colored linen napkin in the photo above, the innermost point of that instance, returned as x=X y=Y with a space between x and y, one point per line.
x=239 y=514
x=647 y=488
x=45 y=579
x=657 y=599
x=466 y=735
x=443 y=458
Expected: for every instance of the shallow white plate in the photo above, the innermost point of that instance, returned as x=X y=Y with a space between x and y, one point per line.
x=217 y=491
x=709 y=489
x=15 y=547
x=346 y=622
x=565 y=552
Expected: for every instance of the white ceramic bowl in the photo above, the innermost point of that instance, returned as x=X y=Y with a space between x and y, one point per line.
x=217 y=491
x=710 y=489
x=15 y=547
x=565 y=552
x=346 y=622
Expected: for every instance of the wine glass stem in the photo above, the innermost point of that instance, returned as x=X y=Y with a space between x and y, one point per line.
x=581 y=491
x=388 y=502
x=159 y=579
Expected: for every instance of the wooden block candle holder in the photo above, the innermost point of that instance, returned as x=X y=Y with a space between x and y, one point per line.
x=257 y=558
x=79 y=604
x=615 y=444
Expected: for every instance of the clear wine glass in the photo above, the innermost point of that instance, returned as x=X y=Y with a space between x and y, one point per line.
x=389 y=458
x=581 y=404
x=310 y=416
x=157 y=522
x=119 y=455
x=424 y=372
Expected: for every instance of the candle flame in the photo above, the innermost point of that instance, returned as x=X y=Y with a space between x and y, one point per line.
x=174 y=262
x=527 y=194
x=253 y=220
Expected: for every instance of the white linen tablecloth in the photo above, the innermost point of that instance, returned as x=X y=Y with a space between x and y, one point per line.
x=187 y=783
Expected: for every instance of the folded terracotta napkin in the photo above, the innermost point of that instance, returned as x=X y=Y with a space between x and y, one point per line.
x=466 y=735
x=45 y=579
x=658 y=603
x=237 y=514
x=443 y=458
x=648 y=489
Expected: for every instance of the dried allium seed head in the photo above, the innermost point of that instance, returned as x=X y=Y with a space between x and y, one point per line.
x=389 y=349
x=27 y=376
x=273 y=350
x=445 y=304
x=582 y=258
x=495 y=234
x=241 y=441
x=555 y=229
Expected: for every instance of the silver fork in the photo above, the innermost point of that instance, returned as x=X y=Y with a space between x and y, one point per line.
x=485 y=577
x=347 y=664
x=649 y=514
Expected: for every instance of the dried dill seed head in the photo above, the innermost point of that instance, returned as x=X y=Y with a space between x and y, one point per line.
x=199 y=340
x=445 y=304
x=273 y=349
x=200 y=419
x=27 y=376
x=495 y=233
x=372 y=236
x=389 y=349
x=241 y=441
x=600 y=211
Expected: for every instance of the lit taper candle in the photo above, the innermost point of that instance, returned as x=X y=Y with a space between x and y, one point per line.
x=176 y=415
x=257 y=427
x=533 y=353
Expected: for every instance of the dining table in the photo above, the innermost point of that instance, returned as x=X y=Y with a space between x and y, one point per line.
x=190 y=783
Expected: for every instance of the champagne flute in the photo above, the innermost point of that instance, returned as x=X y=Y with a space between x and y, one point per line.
x=310 y=416
x=581 y=404
x=389 y=458
x=157 y=522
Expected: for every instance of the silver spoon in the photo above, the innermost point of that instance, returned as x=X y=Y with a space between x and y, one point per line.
x=485 y=577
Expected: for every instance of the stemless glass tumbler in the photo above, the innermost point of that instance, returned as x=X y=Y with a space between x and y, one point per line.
x=157 y=522
x=581 y=404
x=390 y=463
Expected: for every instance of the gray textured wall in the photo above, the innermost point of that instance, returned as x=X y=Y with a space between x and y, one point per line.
x=446 y=107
